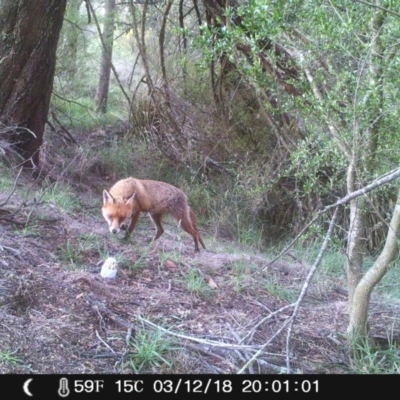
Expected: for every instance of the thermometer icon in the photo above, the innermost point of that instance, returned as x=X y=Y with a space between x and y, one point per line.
x=63 y=391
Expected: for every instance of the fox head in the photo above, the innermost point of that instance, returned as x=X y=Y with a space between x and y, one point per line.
x=117 y=211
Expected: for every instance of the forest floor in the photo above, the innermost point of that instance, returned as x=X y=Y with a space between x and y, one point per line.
x=169 y=310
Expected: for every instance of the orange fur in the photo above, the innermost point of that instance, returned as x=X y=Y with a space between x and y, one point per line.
x=129 y=197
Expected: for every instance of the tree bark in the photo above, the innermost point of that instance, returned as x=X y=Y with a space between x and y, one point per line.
x=106 y=57
x=362 y=293
x=29 y=32
x=356 y=236
x=161 y=41
x=360 y=286
x=70 y=38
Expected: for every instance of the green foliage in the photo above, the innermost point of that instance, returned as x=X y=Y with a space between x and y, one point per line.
x=71 y=254
x=30 y=231
x=200 y=198
x=77 y=73
x=196 y=284
x=76 y=252
x=233 y=208
x=143 y=254
x=150 y=352
x=280 y=291
x=60 y=195
x=79 y=113
x=6 y=182
x=324 y=40
x=389 y=286
x=10 y=358
x=318 y=165
x=373 y=359
x=241 y=277
x=117 y=158
x=333 y=263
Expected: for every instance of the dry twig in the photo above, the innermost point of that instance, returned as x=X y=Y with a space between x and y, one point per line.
x=306 y=285
x=105 y=344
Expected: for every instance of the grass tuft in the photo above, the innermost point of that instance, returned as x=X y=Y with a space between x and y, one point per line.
x=150 y=352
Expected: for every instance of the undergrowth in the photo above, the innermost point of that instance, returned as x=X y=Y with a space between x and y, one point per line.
x=371 y=358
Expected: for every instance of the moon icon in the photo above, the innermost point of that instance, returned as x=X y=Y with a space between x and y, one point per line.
x=26 y=389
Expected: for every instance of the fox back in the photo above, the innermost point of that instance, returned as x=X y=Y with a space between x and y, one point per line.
x=128 y=197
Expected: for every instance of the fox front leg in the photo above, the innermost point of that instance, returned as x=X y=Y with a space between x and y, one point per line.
x=132 y=224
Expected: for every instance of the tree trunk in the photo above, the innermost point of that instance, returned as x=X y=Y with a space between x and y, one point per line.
x=29 y=32
x=362 y=293
x=106 y=57
x=363 y=164
x=70 y=38
x=356 y=236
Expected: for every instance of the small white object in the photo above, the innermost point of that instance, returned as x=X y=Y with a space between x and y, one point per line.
x=109 y=268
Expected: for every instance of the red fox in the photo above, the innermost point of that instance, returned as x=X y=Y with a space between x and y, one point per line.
x=130 y=196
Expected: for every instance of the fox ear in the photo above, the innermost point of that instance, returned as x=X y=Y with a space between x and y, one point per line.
x=107 y=198
x=129 y=200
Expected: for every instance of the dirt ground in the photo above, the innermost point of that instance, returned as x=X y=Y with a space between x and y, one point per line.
x=58 y=315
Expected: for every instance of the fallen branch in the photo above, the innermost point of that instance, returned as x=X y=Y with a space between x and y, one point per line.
x=306 y=285
x=105 y=344
x=211 y=343
x=251 y=333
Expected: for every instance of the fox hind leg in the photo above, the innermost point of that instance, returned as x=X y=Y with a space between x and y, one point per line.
x=196 y=229
x=190 y=226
